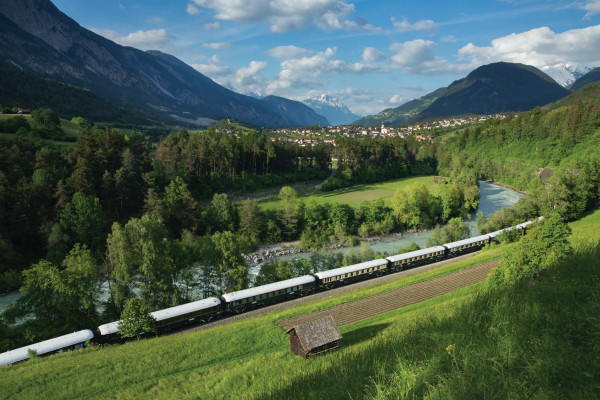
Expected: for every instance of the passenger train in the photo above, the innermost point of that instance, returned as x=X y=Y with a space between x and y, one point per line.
x=205 y=310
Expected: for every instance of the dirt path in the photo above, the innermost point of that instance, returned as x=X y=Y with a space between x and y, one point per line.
x=322 y=295
x=344 y=314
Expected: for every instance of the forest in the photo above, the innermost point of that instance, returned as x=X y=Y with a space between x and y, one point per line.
x=141 y=217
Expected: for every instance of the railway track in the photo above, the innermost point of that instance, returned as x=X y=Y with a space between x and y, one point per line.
x=329 y=293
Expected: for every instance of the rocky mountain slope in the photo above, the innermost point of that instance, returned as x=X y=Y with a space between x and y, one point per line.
x=37 y=37
x=331 y=108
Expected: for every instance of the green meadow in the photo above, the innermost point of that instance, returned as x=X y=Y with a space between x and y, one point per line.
x=535 y=342
x=355 y=195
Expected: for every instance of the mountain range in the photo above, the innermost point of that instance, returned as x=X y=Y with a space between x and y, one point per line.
x=489 y=89
x=38 y=38
x=130 y=85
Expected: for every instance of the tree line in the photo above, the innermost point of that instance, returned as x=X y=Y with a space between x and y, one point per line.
x=149 y=221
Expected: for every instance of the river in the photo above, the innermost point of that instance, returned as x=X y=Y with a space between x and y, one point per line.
x=493 y=198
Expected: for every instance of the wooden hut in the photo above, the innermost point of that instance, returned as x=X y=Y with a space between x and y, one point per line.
x=315 y=337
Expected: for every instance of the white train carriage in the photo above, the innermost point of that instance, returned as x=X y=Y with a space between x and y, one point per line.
x=72 y=341
x=267 y=294
x=494 y=235
x=197 y=311
x=339 y=276
x=411 y=259
x=169 y=318
x=466 y=245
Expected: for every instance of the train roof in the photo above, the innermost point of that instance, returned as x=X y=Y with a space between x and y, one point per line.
x=271 y=287
x=47 y=346
x=185 y=308
x=350 y=268
x=496 y=233
x=160 y=315
x=416 y=253
x=466 y=241
x=109 y=328
x=524 y=224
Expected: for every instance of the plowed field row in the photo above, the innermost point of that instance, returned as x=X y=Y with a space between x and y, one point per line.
x=365 y=308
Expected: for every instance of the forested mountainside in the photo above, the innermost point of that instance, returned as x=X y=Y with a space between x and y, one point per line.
x=26 y=90
x=490 y=89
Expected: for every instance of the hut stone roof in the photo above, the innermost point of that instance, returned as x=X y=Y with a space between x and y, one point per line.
x=317 y=333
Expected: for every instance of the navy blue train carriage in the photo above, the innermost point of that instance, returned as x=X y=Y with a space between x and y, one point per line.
x=205 y=310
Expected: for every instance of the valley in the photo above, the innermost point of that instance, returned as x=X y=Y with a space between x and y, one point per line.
x=429 y=176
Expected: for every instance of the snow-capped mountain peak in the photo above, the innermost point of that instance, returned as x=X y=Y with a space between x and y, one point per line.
x=331 y=108
x=566 y=74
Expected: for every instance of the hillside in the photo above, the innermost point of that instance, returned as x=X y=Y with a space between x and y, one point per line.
x=37 y=37
x=405 y=114
x=539 y=338
x=496 y=88
x=24 y=89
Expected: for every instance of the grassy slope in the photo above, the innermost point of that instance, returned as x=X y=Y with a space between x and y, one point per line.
x=401 y=353
x=354 y=196
x=67 y=126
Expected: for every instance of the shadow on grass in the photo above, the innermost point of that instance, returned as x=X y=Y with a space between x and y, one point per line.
x=362 y=334
x=338 y=374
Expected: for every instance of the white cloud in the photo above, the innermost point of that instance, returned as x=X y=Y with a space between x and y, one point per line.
x=302 y=72
x=396 y=99
x=243 y=80
x=286 y=52
x=212 y=26
x=286 y=15
x=216 y=46
x=371 y=54
x=192 y=9
x=248 y=79
x=423 y=25
x=539 y=47
x=449 y=39
x=592 y=7
x=157 y=20
x=418 y=57
x=154 y=39
x=214 y=69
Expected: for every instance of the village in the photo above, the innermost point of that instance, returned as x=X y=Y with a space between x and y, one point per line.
x=422 y=131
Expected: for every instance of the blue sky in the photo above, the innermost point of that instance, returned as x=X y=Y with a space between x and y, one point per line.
x=370 y=54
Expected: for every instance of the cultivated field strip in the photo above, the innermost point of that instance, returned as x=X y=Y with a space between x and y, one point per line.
x=323 y=295
x=344 y=314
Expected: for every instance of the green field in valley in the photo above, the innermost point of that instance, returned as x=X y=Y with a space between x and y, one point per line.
x=403 y=353
x=355 y=195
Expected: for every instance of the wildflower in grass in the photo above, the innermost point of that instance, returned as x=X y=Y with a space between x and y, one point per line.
x=450 y=348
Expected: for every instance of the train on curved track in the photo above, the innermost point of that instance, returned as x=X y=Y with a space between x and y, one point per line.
x=206 y=310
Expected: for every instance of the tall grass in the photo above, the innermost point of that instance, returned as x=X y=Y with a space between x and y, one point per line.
x=537 y=339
